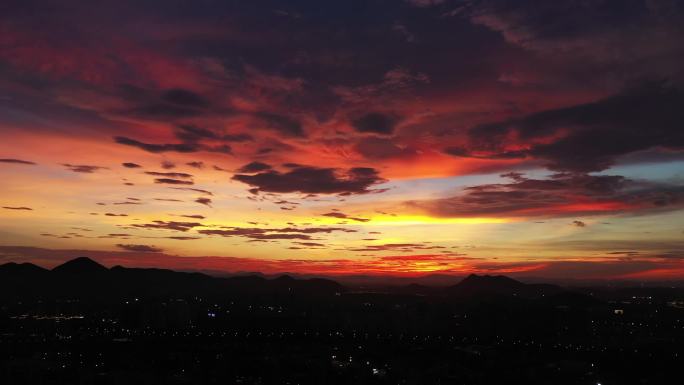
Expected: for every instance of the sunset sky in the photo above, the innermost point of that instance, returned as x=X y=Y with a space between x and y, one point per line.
x=531 y=138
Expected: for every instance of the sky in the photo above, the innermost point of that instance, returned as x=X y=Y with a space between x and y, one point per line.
x=405 y=137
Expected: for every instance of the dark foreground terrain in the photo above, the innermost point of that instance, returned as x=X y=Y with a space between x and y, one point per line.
x=84 y=324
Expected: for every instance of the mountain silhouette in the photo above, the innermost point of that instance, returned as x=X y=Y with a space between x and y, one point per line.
x=17 y=279
x=81 y=265
x=21 y=268
x=478 y=286
x=85 y=278
x=285 y=278
x=82 y=277
x=475 y=282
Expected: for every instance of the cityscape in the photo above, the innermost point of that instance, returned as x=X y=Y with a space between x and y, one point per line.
x=405 y=192
x=89 y=324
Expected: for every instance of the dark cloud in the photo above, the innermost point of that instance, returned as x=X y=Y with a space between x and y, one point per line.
x=157 y=148
x=167 y=165
x=169 y=225
x=465 y=153
x=560 y=195
x=221 y=149
x=83 y=168
x=16 y=161
x=131 y=165
x=373 y=147
x=238 y=138
x=253 y=234
x=168 y=104
x=115 y=236
x=310 y=244
x=619 y=35
x=306 y=179
x=257 y=233
x=448 y=257
x=198 y=165
x=254 y=167
x=579 y=224
x=116 y=215
x=163 y=111
x=337 y=214
x=424 y=3
x=192 y=134
x=183 y=97
x=17 y=208
x=311 y=230
x=401 y=247
x=169 y=174
x=139 y=248
x=282 y=124
x=204 y=201
x=587 y=137
x=54 y=235
x=192 y=216
x=173 y=181
x=186 y=147
x=375 y=122
x=284 y=202
x=193 y=189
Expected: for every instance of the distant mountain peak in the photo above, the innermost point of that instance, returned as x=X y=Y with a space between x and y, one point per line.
x=486 y=284
x=499 y=285
x=489 y=279
x=285 y=278
x=21 y=268
x=80 y=265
